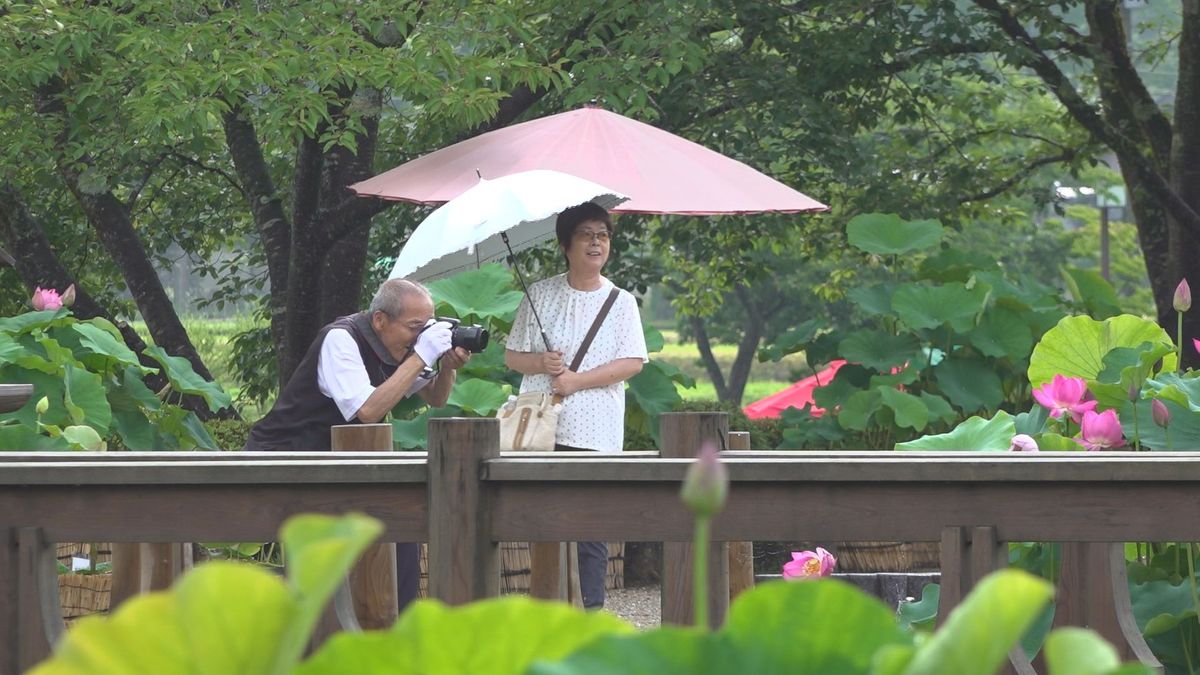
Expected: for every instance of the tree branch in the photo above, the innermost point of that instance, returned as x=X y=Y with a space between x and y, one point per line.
x=1127 y=149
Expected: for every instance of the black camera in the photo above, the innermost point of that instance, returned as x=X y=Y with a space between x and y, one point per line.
x=473 y=338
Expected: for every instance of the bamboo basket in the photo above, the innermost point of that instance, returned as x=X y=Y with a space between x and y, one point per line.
x=83 y=594
x=888 y=556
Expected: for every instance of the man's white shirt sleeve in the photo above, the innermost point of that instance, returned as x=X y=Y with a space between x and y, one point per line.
x=341 y=374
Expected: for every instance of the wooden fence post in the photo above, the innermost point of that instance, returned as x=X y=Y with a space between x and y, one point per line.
x=373 y=578
x=464 y=560
x=741 y=553
x=10 y=617
x=682 y=435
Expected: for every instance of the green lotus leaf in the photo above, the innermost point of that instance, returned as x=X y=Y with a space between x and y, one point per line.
x=979 y=633
x=1078 y=651
x=909 y=411
x=889 y=234
x=1002 y=333
x=974 y=434
x=970 y=384
x=1077 y=347
x=477 y=397
x=923 y=306
x=433 y=638
x=183 y=379
x=857 y=410
x=477 y=294
x=881 y=351
x=875 y=300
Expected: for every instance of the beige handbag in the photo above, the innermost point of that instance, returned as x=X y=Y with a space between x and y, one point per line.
x=529 y=422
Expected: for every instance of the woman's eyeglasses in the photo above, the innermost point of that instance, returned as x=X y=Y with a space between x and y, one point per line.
x=601 y=236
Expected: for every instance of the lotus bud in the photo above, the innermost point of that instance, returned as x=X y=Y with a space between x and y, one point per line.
x=1134 y=392
x=45 y=298
x=1023 y=443
x=42 y=406
x=1160 y=413
x=706 y=484
x=68 y=296
x=1183 y=297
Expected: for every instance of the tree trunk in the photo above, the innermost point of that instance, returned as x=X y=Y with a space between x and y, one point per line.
x=37 y=265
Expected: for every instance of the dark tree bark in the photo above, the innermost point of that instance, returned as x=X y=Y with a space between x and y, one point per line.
x=1159 y=156
x=38 y=265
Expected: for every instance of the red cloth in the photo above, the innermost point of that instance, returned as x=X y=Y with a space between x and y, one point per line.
x=795 y=396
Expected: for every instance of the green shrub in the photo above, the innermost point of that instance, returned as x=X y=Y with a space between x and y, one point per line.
x=229 y=434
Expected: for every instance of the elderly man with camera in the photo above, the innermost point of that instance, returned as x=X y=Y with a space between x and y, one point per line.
x=358 y=369
x=361 y=366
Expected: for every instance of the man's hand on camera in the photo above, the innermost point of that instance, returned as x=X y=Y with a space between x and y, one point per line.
x=456 y=358
x=433 y=342
x=552 y=363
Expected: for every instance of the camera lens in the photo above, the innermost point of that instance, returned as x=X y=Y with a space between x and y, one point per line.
x=471 y=338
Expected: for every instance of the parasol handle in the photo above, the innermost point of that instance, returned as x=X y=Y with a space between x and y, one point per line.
x=521 y=278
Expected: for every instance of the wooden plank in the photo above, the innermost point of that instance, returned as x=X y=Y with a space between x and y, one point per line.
x=158 y=513
x=682 y=436
x=882 y=467
x=10 y=617
x=408 y=470
x=464 y=559
x=58 y=457
x=741 y=553
x=955 y=579
x=866 y=511
x=37 y=607
x=372 y=582
x=13 y=396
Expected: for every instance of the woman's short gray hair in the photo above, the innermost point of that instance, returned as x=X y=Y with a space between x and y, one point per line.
x=390 y=297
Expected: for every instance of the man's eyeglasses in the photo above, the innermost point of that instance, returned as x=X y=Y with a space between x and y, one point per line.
x=601 y=236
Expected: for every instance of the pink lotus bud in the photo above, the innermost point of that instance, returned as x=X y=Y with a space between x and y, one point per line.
x=810 y=564
x=1183 y=297
x=68 y=296
x=45 y=298
x=706 y=484
x=1160 y=413
x=1101 y=431
x=1023 y=443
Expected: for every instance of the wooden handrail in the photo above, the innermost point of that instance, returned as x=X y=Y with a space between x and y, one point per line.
x=484 y=498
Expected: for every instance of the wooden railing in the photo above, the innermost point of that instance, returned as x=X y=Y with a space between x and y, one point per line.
x=467 y=497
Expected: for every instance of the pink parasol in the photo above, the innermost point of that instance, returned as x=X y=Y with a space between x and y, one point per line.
x=662 y=172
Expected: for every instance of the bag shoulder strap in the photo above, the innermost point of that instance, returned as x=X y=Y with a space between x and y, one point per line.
x=591 y=334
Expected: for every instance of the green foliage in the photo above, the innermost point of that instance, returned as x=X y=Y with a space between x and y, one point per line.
x=976 y=433
x=769 y=629
x=952 y=338
x=223 y=617
x=92 y=387
x=433 y=638
x=229 y=434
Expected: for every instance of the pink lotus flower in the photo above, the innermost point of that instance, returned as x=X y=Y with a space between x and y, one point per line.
x=45 y=298
x=1196 y=344
x=1065 y=395
x=1101 y=431
x=810 y=564
x=1023 y=443
x=1160 y=413
x=1183 y=297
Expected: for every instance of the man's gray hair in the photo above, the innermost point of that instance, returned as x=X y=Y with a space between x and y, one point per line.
x=390 y=297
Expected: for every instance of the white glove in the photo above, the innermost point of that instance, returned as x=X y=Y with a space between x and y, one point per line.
x=433 y=342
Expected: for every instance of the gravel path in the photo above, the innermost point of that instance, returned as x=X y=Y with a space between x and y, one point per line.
x=640 y=606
